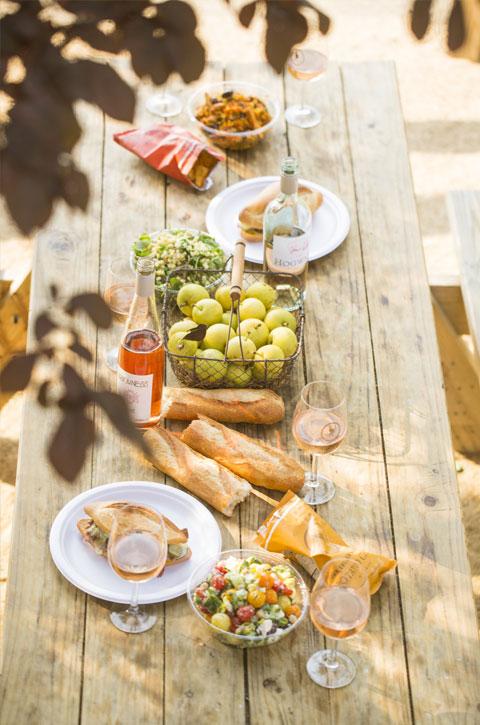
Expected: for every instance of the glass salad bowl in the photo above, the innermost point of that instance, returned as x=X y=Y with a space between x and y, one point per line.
x=248 y=597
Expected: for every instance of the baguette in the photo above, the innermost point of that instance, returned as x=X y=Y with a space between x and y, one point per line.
x=250 y=219
x=254 y=460
x=224 y=405
x=202 y=476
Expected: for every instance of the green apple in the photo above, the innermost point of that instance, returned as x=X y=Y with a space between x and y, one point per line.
x=179 y=346
x=226 y=320
x=234 y=352
x=279 y=317
x=188 y=295
x=252 y=307
x=217 y=335
x=263 y=292
x=211 y=365
x=182 y=326
x=207 y=311
x=222 y=295
x=268 y=352
x=255 y=330
x=285 y=338
x=238 y=375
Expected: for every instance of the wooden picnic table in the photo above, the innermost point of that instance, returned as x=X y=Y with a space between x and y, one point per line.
x=369 y=326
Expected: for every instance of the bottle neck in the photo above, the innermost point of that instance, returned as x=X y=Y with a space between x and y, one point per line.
x=145 y=285
x=288 y=184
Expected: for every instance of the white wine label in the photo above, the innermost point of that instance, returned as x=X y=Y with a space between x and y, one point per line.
x=137 y=391
x=290 y=253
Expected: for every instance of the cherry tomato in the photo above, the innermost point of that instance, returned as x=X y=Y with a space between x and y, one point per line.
x=221 y=568
x=293 y=609
x=287 y=591
x=245 y=613
x=221 y=620
x=266 y=580
x=256 y=598
x=234 y=624
x=277 y=585
x=200 y=593
x=271 y=596
x=218 y=581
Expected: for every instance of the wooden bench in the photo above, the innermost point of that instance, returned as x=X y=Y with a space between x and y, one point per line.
x=456 y=301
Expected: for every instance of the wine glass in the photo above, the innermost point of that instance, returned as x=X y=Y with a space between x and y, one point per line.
x=339 y=608
x=306 y=65
x=319 y=426
x=119 y=293
x=164 y=104
x=137 y=551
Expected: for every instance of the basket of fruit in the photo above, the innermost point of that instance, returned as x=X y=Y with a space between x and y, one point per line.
x=244 y=329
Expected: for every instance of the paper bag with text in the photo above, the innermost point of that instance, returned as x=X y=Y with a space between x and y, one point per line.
x=293 y=526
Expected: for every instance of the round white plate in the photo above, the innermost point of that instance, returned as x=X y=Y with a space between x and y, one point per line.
x=91 y=573
x=330 y=223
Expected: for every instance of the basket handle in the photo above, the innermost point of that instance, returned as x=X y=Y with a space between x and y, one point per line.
x=237 y=270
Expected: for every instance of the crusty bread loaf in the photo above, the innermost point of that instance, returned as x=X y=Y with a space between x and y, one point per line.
x=202 y=476
x=224 y=405
x=254 y=460
x=250 y=218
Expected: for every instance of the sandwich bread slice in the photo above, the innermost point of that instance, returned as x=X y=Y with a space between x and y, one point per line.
x=96 y=530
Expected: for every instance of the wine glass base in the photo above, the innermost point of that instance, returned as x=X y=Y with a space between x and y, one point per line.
x=164 y=104
x=112 y=359
x=340 y=675
x=133 y=622
x=321 y=493
x=303 y=116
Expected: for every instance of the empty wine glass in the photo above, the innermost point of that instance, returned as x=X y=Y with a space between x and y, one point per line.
x=339 y=608
x=164 y=104
x=119 y=293
x=137 y=551
x=306 y=65
x=319 y=426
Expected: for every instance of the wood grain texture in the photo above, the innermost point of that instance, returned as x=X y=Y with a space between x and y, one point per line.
x=435 y=585
x=464 y=211
x=462 y=388
x=338 y=348
x=448 y=294
x=42 y=668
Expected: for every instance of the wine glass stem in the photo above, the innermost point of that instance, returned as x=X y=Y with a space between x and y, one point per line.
x=331 y=658
x=302 y=95
x=134 y=596
x=314 y=477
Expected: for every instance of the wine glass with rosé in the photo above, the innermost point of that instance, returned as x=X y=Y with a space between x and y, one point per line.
x=319 y=427
x=339 y=608
x=137 y=552
x=306 y=65
x=119 y=293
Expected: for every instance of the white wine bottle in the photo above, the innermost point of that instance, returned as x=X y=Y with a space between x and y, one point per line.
x=287 y=224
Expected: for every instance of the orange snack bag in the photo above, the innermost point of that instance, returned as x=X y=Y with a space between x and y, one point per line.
x=295 y=526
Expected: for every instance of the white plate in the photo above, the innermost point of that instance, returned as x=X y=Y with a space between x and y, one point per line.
x=330 y=223
x=91 y=573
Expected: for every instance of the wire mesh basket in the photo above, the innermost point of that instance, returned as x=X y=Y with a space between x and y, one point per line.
x=243 y=371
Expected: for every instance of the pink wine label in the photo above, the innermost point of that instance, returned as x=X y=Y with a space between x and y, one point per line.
x=137 y=391
x=290 y=253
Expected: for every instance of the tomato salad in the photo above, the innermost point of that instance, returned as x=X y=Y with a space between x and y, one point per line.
x=248 y=597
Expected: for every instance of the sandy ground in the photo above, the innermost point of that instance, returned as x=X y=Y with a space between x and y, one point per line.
x=441 y=103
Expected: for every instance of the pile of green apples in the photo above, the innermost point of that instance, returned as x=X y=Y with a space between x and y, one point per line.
x=267 y=333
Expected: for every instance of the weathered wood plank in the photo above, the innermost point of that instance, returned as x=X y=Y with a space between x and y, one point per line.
x=132 y=203
x=462 y=387
x=188 y=646
x=338 y=348
x=44 y=615
x=435 y=585
x=464 y=211
x=448 y=294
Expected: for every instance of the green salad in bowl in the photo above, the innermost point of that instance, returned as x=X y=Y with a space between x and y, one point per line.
x=173 y=248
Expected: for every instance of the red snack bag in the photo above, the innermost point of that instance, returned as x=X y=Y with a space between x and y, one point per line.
x=174 y=151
